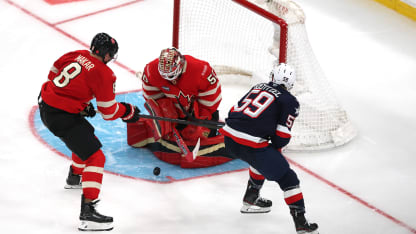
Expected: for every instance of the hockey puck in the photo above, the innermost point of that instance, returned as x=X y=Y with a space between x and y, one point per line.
x=156 y=171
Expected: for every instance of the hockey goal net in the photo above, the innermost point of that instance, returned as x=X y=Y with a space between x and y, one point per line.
x=243 y=38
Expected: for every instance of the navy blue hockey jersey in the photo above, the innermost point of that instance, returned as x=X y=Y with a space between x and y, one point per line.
x=266 y=113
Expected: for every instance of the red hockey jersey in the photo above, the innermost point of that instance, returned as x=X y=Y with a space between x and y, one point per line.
x=198 y=83
x=76 y=78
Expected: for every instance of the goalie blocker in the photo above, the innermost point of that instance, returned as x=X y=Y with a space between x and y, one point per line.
x=158 y=137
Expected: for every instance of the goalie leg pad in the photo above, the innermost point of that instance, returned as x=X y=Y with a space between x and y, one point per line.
x=141 y=133
x=211 y=153
x=162 y=108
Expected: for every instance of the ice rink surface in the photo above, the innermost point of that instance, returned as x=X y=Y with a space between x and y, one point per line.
x=367 y=51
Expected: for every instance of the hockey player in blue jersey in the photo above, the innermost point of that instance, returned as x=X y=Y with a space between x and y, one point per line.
x=256 y=129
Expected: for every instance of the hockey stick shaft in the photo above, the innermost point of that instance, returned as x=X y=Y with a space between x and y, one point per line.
x=192 y=118
x=182 y=145
x=189 y=155
x=197 y=122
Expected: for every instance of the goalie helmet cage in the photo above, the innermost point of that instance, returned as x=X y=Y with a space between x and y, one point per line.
x=245 y=38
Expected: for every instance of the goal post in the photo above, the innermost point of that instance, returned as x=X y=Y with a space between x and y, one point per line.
x=274 y=19
x=245 y=38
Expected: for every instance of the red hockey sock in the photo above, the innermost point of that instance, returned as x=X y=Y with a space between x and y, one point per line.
x=92 y=175
x=77 y=165
x=294 y=196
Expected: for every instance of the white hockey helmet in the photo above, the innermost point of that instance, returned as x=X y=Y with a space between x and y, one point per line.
x=283 y=74
x=171 y=63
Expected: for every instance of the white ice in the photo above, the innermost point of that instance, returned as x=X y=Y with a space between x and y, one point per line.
x=367 y=186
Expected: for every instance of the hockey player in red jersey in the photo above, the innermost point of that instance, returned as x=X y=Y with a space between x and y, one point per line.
x=256 y=129
x=179 y=86
x=64 y=102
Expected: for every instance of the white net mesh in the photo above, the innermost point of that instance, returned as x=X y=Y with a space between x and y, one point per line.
x=238 y=41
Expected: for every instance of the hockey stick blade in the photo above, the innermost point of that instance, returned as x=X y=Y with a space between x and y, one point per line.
x=196 y=149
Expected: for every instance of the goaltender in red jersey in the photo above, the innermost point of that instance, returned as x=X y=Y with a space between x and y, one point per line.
x=179 y=87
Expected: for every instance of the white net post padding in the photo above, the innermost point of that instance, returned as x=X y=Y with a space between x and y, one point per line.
x=238 y=41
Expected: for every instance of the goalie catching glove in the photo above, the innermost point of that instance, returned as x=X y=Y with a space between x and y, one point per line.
x=193 y=132
x=132 y=113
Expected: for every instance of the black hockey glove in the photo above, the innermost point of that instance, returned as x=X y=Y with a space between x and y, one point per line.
x=89 y=111
x=132 y=113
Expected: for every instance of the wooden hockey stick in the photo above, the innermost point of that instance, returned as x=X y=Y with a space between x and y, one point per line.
x=193 y=121
x=189 y=155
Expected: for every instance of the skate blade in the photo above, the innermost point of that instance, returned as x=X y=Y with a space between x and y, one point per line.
x=251 y=209
x=67 y=186
x=305 y=232
x=94 y=226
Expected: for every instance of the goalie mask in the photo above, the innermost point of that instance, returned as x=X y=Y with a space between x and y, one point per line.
x=171 y=63
x=283 y=74
x=102 y=44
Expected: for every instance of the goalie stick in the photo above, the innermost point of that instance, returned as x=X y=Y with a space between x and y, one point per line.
x=189 y=155
x=189 y=116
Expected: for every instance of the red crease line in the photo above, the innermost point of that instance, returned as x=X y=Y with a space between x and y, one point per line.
x=361 y=201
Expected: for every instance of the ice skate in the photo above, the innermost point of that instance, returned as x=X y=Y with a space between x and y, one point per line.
x=73 y=181
x=301 y=224
x=253 y=203
x=91 y=220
